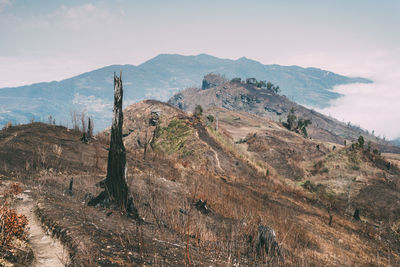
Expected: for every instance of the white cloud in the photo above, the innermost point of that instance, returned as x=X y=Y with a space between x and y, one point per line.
x=372 y=106
x=74 y=39
x=77 y=17
x=92 y=104
x=5 y=3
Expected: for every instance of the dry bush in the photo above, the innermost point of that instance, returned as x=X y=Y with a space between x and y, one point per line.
x=12 y=225
x=45 y=157
x=57 y=150
x=8 y=125
x=103 y=138
x=78 y=120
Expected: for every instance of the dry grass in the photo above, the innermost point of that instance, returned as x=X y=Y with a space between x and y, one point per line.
x=239 y=195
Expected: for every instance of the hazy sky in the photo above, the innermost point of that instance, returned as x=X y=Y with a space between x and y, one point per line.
x=51 y=40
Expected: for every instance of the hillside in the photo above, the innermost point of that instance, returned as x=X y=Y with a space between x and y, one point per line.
x=251 y=171
x=239 y=96
x=158 y=78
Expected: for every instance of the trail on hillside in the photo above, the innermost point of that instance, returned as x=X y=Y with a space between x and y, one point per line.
x=224 y=160
x=212 y=149
x=48 y=251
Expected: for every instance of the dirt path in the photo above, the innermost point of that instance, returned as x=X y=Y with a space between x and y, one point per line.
x=217 y=159
x=49 y=252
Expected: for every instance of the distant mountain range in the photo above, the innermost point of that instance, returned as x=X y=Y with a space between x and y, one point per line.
x=396 y=141
x=158 y=78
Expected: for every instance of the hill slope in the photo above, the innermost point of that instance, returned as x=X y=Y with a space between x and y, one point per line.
x=263 y=102
x=158 y=78
x=260 y=180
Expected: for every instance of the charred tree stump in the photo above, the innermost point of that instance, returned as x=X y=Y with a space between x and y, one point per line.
x=356 y=215
x=71 y=183
x=90 y=128
x=116 y=194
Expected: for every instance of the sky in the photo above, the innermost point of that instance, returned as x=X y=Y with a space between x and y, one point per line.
x=52 y=40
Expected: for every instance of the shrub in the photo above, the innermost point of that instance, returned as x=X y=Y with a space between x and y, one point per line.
x=297 y=125
x=236 y=80
x=8 y=125
x=171 y=139
x=261 y=84
x=302 y=126
x=12 y=225
x=310 y=186
x=198 y=111
x=361 y=142
x=291 y=120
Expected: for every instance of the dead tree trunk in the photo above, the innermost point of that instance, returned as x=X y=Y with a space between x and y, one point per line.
x=71 y=182
x=90 y=128
x=116 y=193
x=216 y=122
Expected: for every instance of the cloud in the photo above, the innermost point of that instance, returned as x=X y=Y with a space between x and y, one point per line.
x=375 y=106
x=83 y=16
x=54 y=23
x=50 y=43
x=5 y=3
x=92 y=104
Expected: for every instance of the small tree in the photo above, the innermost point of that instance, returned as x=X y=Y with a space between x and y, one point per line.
x=302 y=126
x=198 y=111
x=252 y=81
x=236 y=80
x=269 y=85
x=276 y=89
x=299 y=126
x=261 y=84
x=210 y=118
x=361 y=142
x=291 y=120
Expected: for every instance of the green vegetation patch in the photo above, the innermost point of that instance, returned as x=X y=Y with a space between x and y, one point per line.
x=172 y=138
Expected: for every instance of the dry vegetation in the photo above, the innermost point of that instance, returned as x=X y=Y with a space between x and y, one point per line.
x=273 y=177
x=13 y=236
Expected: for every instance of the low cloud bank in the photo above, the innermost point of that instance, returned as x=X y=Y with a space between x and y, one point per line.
x=376 y=106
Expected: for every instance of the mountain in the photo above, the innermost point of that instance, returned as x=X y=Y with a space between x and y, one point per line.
x=158 y=78
x=247 y=97
x=396 y=141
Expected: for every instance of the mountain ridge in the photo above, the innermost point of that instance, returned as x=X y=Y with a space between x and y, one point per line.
x=264 y=102
x=157 y=78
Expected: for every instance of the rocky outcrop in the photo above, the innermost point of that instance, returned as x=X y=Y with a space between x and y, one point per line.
x=212 y=80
